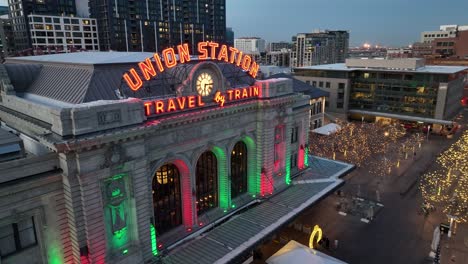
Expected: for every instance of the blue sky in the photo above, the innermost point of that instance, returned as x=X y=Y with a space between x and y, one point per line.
x=384 y=22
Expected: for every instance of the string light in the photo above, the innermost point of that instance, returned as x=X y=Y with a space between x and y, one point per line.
x=445 y=185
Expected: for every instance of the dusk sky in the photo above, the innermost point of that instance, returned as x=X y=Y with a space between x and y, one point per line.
x=383 y=22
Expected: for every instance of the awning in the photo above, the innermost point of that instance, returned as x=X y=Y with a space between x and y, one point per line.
x=327 y=129
x=403 y=117
x=244 y=231
x=294 y=252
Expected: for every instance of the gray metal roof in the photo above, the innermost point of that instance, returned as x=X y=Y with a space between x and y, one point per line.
x=50 y=77
x=248 y=228
x=88 y=58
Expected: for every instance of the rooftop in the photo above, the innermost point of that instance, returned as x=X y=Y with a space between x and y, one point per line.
x=87 y=58
x=302 y=87
x=425 y=69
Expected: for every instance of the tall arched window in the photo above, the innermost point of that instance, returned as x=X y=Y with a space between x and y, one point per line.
x=167 y=198
x=238 y=169
x=207 y=182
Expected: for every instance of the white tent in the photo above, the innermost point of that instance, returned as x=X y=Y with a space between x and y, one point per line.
x=296 y=253
x=327 y=129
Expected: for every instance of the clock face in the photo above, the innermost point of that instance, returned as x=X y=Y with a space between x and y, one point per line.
x=204 y=84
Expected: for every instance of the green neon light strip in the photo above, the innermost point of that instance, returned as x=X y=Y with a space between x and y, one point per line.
x=154 y=244
x=54 y=254
x=306 y=157
x=253 y=174
x=224 y=188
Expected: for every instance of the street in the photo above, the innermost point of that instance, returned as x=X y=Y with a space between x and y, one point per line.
x=398 y=233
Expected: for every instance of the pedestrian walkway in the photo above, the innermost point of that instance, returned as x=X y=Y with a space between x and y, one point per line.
x=455 y=248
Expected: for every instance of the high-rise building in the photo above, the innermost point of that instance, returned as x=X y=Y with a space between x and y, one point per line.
x=229 y=36
x=7 y=44
x=21 y=9
x=250 y=45
x=154 y=25
x=319 y=48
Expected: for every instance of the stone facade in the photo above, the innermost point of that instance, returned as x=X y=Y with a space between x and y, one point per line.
x=91 y=194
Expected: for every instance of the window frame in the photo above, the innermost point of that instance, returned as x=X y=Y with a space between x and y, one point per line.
x=16 y=236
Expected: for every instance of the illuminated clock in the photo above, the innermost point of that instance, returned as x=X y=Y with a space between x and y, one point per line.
x=204 y=84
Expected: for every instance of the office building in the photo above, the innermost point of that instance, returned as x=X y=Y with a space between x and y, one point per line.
x=278 y=46
x=120 y=168
x=319 y=48
x=229 y=37
x=155 y=25
x=404 y=89
x=7 y=42
x=21 y=9
x=279 y=58
x=454 y=47
x=445 y=31
x=250 y=45
x=55 y=34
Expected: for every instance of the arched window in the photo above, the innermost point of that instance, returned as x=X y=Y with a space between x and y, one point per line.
x=207 y=182
x=167 y=198
x=238 y=169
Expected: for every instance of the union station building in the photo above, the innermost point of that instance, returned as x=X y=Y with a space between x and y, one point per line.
x=115 y=157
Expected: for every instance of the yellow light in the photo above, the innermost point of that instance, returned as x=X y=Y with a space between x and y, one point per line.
x=316 y=235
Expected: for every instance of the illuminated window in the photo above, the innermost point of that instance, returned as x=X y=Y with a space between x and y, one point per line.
x=207 y=182
x=167 y=198
x=238 y=169
x=366 y=75
x=17 y=237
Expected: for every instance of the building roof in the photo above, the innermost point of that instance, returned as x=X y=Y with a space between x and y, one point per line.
x=425 y=69
x=84 y=77
x=87 y=58
x=302 y=87
x=242 y=232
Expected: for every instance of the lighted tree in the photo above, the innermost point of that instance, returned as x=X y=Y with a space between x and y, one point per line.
x=446 y=184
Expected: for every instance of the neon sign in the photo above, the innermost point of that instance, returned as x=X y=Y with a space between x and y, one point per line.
x=316 y=235
x=206 y=50
x=162 y=106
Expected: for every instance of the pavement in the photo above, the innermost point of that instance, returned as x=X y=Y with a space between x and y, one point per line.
x=399 y=233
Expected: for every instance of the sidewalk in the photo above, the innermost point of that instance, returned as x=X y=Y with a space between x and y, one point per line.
x=455 y=248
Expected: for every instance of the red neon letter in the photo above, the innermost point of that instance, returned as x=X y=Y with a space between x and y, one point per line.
x=148 y=108
x=200 y=102
x=172 y=61
x=184 y=54
x=230 y=94
x=234 y=51
x=158 y=62
x=191 y=101
x=213 y=46
x=237 y=94
x=181 y=102
x=147 y=69
x=255 y=91
x=171 y=105
x=254 y=70
x=223 y=54
x=134 y=85
x=159 y=105
x=244 y=93
x=246 y=61
x=203 y=52
x=239 y=58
